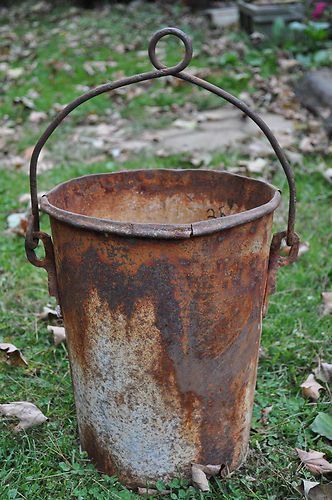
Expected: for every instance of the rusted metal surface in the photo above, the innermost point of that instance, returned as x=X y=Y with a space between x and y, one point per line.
x=162 y=301
x=130 y=217
x=163 y=336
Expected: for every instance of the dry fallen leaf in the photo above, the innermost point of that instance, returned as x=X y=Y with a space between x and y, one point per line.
x=15 y=162
x=314 y=461
x=201 y=473
x=256 y=166
x=27 y=413
x=303 y=248
x=200 y=159
x=37 y=116
x=306 y=487
x=288 y=64
x=327 y=174
x=322 y=425
x=59 y=333
x=327 y=302
x=13 y=355
x=260 y=147
x=199 y=478
x=25 y=102
x=262 y=352
x=312 y=490
x=307 y=145
x=295 y=157
x=47 y=313
x=185 y=124
x=324 y=372
x=265 y=415
x=17 y=223
x=14 y=73
x=24 y=198
x=310 y=388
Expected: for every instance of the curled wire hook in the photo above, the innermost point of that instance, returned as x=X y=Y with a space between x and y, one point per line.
x=187 y=45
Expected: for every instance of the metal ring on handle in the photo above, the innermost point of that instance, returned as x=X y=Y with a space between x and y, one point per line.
x=32 y=238
x=187 y=45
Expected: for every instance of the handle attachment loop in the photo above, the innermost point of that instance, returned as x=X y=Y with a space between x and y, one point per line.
x=48 y=262
x=276 y=261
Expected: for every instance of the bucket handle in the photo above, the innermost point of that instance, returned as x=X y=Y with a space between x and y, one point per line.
x=34 y=235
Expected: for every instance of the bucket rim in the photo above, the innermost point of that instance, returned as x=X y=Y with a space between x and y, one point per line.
x=159 y=230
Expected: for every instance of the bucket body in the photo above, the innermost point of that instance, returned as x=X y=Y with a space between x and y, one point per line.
x=163 y=314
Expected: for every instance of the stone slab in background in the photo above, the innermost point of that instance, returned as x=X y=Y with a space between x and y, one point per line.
x=219 y=129
x=314 y=91
x=261 y=17
x=222 y=17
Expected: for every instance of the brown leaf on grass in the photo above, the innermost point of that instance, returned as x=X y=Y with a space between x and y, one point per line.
x=307 y=144
x=303 y=248
x=15 y=162
x=311 y=388
x=288 y=64
x=262 y=353
x=14 y=73
x=201 y=473
x=327 y=303
x=17 y=223
x=13 y=355
x=324 y=372
x=185 y=124
x=312 y=490
x=265 y=412
x=314 y=461
x=327 y=174
x=27 y=413
x=47 y=313
x=93 y=67
x=256 y=166
x=199 y=478
x=59 y=334
x=306 y=486
x=24 y=198
x=25 y=102
x=295 y=157
x=37 y=117
x=200 y=159
x=259 y=147
x=320 y=492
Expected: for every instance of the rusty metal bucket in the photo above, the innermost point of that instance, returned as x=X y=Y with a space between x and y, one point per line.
x=162 y=277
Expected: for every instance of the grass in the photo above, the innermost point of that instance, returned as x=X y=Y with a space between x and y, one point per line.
x=45 y=462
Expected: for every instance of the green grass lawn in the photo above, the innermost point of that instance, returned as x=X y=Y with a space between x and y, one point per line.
x=45 y=462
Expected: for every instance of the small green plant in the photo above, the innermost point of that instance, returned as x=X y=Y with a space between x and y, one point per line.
x=309 y=42
x=179 y=489
x=311 y=31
